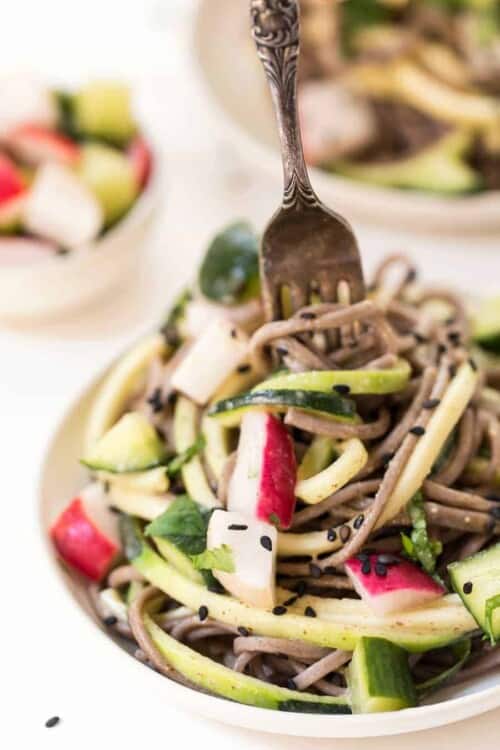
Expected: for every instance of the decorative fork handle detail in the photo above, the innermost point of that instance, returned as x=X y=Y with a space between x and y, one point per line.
x=275 y=29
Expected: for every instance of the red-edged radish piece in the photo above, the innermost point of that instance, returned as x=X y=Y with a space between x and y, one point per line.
x=263 y=482
x=35 y=144
x=142 y=159
x=388 y=583
x=213 y=357
x=11 y=180
x=86 y=534
x=24 y=251
x=24 y=98
x=61 y=208
x=252 y=547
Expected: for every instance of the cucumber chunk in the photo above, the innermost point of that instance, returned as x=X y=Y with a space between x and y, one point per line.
x=109 y=174
x=102 y=109
x=380 y=678
x=358 y=381
x=477 y=581
x=131 y=445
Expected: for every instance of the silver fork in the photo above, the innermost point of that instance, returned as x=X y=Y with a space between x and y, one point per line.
x=306 y=247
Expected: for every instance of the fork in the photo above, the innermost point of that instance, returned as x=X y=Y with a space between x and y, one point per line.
x=306 y=248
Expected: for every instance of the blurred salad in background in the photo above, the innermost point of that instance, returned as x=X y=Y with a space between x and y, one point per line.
x=72 y=164
x=403 y=93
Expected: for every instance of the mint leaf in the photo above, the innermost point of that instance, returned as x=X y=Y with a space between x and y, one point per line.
x=175 y=465
x=419 y=546
x=184 y=524
x=217 y=558
x=408 y=545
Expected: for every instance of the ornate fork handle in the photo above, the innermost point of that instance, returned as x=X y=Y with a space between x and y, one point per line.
x=275 y=29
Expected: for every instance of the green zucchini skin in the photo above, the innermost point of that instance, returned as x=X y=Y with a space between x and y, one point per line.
x=331 y=404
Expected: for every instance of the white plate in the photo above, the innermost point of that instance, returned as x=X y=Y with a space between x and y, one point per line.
x=61 y=478
x=230 y=71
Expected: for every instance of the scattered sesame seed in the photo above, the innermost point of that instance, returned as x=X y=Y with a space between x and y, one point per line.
x=171 y=398
x=156 y=401
x=308 y=315
x=345 y=533
x=233 y=333
x=315 y=570
x=243 y=631
x=309 y=612
x=110 y=621
x=418 y=430
x=431 y=403
x=358 y=521
x=331 y=535
x=454 y=336
x=237 y=527
x=244 y=368
x=380 y=569
x=441 y=348
x=266 y=543
x=366 y=567
x=52 y=722
x=467 y=587
x=203 y=613
x=290 y=601
x=300 y=588
x=114 y=509
x=342 y=389
x=279 y=610
x=411 y=275
x=291 y=684
x=386 y=457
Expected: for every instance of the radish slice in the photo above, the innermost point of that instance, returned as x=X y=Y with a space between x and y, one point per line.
x=142 y=160
x=263 y=482
x=61 y=208
x=35 y=144
x=11 y=180
x=388 y=583
x=86 y=534
x=253 y=552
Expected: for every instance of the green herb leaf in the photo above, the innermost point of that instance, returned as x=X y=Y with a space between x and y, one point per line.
x=184 y=524
x=418 y=546
x=169 y=327
x=218 y=558
x=461 y=651
x=175 y=465
x=230 y=270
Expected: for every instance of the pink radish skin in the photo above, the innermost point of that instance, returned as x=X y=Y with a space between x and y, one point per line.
x=263 y=483
x=11 y=180
x=140 y=156
x=86 y=535
x=404 y=587
x=35 y=144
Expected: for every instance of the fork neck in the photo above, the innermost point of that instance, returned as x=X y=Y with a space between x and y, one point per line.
x=275 y=29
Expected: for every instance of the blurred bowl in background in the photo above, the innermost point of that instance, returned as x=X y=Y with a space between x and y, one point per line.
x=231 y=74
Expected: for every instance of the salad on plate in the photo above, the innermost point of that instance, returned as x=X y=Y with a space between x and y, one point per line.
x=72 y=165
x=301 y=515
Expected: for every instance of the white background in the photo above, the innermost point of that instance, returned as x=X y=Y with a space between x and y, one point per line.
x=45 y=669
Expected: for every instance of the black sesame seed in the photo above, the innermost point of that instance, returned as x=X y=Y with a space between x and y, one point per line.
x=215 y=587
x=171 y=398
x=418 y=430
x=266 y=543
x=308 y=315
x=467 y=587
x=411 y=275
x=244 y=368
x=473 y=364
x=243 y=631
x=441 y=348
x=309 y=612
x=454 y=336
x=114 y=509
x=366 y=567
x=358 y=521
x=156 y=401
x=203 y=613
x=345 y=533
x=52 y=722
x=380 y=569
x=431 y=403
x=110 y=621
x=331 y=535
x=237 y=527
x=233 y=333
x=386 y=457
x=279 y=610
x=300 y=588
x=290 y=601
x=291 y=684
x=495 y=512
x=282 y=351
x=342 y=389
x=315 y=570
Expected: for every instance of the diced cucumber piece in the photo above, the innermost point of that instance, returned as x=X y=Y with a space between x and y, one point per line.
x=357 y=381
x=139 y=504
x=230 y=410
x=216 y=678
x=487 y=325
x=477 y=581
x=103 y=109
x=131 y=445
x=110 y=176
x=178 y=559
x=317 y=457
x=380 y=678
x=217 y=443
x=151 y=481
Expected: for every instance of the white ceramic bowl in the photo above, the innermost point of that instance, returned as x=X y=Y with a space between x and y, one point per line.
x=64 y=283
x=231 y=73
x=60 y=479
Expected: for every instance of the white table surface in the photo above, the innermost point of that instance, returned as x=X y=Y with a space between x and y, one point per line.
x=43 y=670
